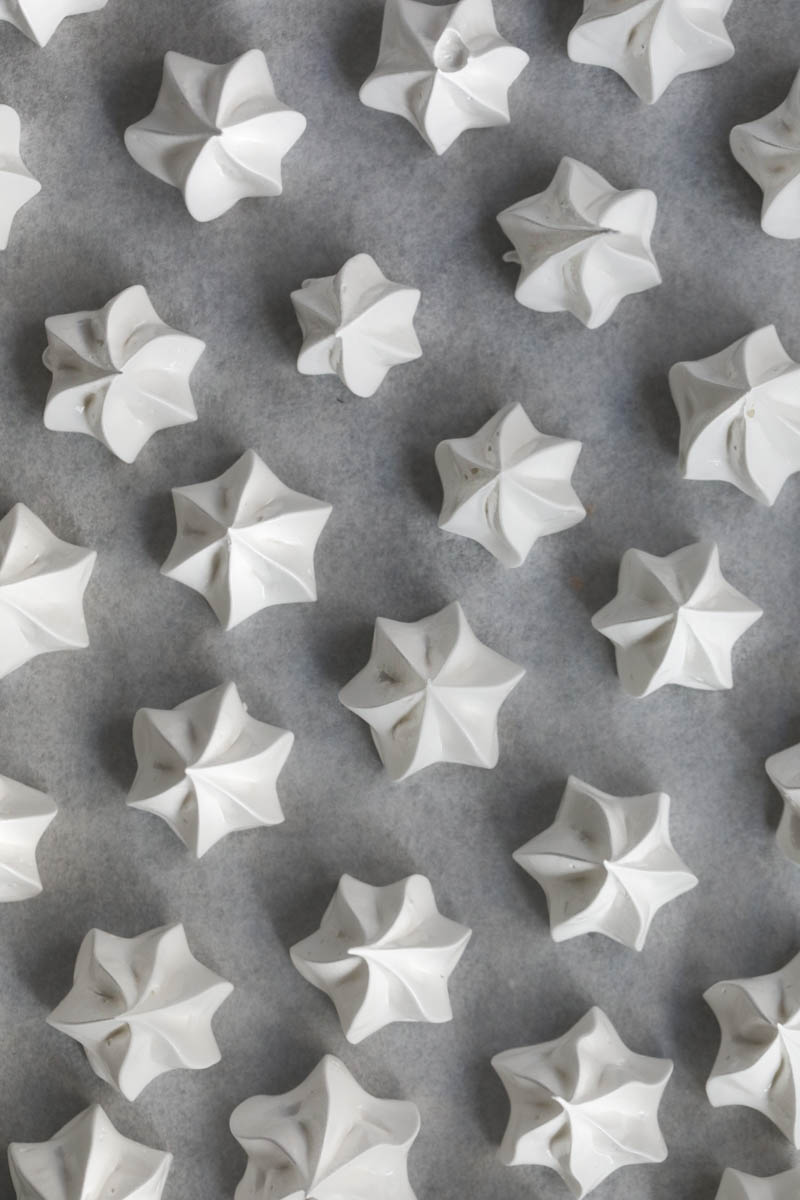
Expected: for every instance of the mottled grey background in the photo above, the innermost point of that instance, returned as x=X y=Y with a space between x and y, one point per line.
x=361 y=180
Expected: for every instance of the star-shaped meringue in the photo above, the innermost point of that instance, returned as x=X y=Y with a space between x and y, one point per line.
x=769 y=150
x=581 y=245
x=651 y=42
x=39 y=19
x=735 y=1185
x=88 y=1160
x=141 y=1006
x=740 y=415
x=444 y=68
x=245 y=541
x=207 y=767
x=327 y=1139
x=583 y=1104
x=758 y=1064
x=42 y=581
x=606 y=864
x=357 y=325
x=431 y=693
x=784 y=771
x=383 y=954
x=25 y=814
x=119 y=374
x=17 y=185
x=219 y=133
x=675 y=620
x=508 y=485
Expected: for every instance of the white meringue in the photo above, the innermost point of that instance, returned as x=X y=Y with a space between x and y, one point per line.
x=326 y=1139
x=444 y=68
x=735 y=1185
x=357 y=325
x=39 y=19
x=508 y=485
x=383 y=954
x=207 y=768
x=25 y=814
x=119 y=374
x=88 y=1160
x=583 y=1105
x=42 y=582
x=675 y=620
x=606 y=864
x=769 y=150
x=651 y=42
x=17 y=185
x=141 y=1006
x=757 y=1063
x=581 y=245
x=218 y=133
x=431 y=693
x=784 y=771
x=245 y=541
x=740 y=415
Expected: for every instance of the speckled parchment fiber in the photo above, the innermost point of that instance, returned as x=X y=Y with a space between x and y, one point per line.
x=360 y=180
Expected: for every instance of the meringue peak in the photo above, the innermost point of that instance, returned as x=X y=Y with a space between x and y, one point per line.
x=39 y=19
x=769 y=150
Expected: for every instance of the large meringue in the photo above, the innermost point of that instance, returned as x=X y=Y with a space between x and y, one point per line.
x=327 y=1139
x=88 y=1160
x=583 y=1105
x=769 y=150
x=431 y=693
x=42 y=582
x=383 y=954
x=17 y=185
x=444 y=68
x=675 y=620
x=651 y=42
x=357 y=325
x=141 y=1006
x=508 y=485
x=207 y=767
x=581 y=245
x=119 y=374
x=25 y=814
x=245 y=541
x=218 y=133
x=735 y=1185
x=784 y=771
x=740 y=415
x=606 y=864
x=757 y=1063
x=39 y=19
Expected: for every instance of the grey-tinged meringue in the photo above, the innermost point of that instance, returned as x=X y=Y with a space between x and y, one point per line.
x=675 y=620
x=141 y=1006
x=383 y=954
x=651 y=42
x=356 y=324
x=326 y=1139
x=42 y=582
x=39 y=19
x=431 y=693
x=606 y=864
x=735 y=1185
x=245 y=541
x=769 y=150
x=88 y=1159
x=25 y=814
x=783 y=769
x=581 y=245
x=219 y=133
x=508 y=485
x=583 y=1105
x=740 y=415
x=444 y=68
x=17 y=185
x=207 y=767
x=119 y=374
x=757 y=1063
